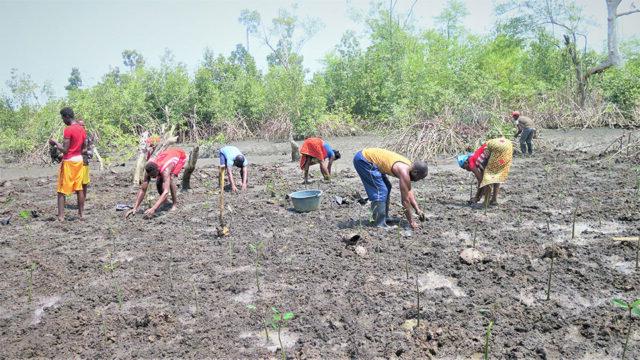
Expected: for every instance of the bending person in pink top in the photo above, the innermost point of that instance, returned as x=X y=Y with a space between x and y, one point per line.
x=165 y=167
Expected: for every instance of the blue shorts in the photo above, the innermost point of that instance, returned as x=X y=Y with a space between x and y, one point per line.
x=376 y=184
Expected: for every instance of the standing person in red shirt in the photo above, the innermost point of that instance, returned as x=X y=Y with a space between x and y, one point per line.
x=165 y=167
x=71 y=168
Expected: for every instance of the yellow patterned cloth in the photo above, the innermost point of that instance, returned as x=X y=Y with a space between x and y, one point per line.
x=384 y=159
x=500 y=157
x=85 y=175
x=70 y=176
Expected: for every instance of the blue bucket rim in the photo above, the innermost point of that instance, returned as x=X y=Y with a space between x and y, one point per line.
x=318 y=194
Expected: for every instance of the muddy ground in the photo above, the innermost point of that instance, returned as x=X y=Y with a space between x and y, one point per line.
x=109 y=288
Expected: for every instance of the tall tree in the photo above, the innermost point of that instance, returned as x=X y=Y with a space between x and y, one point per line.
x=450 y=19
x=568 y=18
x=251 y=20
x=132 y=59
x=75 y=80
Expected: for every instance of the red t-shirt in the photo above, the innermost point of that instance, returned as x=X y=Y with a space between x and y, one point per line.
x=480 y=156
x=76 y=135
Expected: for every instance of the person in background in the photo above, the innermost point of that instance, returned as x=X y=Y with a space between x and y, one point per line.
x=232 y=156
x=526 y=130
x=490 y=163
x=317 y=151
x=373 y=165
x=72 y=166
x=165 y=168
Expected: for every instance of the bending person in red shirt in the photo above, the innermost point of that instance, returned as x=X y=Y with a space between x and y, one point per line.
x=165 y=167
x=71 y=172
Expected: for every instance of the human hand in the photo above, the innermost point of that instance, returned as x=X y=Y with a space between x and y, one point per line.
x=129 y=213
x=244 y=187
x=415 y=225
x=234 y=189
x=149 y=213
x=422 y=216
x=53 y=142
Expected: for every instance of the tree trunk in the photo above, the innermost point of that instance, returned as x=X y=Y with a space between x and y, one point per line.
x=142 y=152
x=581 y=80
x=188 y=170
x=295 y=149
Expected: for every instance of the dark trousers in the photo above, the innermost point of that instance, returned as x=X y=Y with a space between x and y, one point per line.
x=526 y=138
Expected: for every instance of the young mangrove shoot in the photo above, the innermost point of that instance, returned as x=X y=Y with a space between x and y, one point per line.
x=279 y=321
x=258 y=250
x=573 y=225
x=418 y=301
x=487 y=337
x=634 y=309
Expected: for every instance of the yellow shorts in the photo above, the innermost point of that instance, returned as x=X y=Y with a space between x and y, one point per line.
x=70 y=177
x=85 y=175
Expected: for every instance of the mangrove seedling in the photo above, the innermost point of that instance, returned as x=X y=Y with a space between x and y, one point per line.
x=195 y=296
x=258 y=250
x=418 y=302
x=263 y=320
x=634 y=309
x=573 y=225
x=551 y=252
x=487 y=337
x=119 y=295
x=24 y=214
x=475 y=233
x=279 y=321
x=32 y=267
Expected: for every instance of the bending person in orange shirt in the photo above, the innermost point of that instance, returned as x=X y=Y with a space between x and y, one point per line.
x=165 y=167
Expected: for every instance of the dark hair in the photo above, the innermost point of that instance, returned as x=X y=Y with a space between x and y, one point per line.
x=151 y=167
x=67 y=113
x=239 y=161
x=337 y=154
x=419 y=170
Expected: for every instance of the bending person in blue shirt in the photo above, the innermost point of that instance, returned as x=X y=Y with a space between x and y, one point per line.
x=231 y=156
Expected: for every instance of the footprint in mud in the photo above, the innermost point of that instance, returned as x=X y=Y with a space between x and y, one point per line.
x=288 y=338
x=44 y=304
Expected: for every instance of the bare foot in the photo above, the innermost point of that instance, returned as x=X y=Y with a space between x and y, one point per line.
x=61 y=219
x=173 y=208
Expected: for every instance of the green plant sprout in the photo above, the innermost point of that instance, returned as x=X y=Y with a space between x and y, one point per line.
x=487 y=337
x=119 y=295
x=634 y=309
x=32 y=267
x=263 y=321
x=258 y=251
x=279 y=321
x=111 y=264
x=24 y=214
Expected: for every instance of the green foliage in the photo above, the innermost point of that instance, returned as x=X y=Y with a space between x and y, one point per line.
x=400 y=76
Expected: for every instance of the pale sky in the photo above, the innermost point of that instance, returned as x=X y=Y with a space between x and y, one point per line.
x=46 y=38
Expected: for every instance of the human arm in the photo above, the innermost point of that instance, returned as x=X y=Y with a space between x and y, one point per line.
x=406 y=194
x=62 y=147
x=139 y=197
x=331 y=160
x=166 y=188
x=230 y=178
x=245 y=177
x=324 y=169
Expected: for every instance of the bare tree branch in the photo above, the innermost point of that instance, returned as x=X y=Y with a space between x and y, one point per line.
x=627 y=12
x=409 y=13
